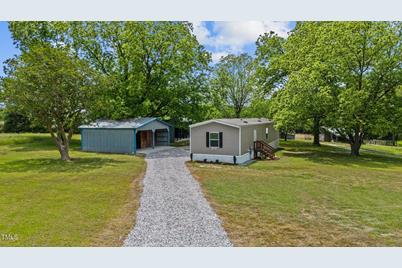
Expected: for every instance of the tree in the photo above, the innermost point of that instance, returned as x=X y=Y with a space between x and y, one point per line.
x=390 y=124
x=52 y=88
x=344 y=75
x=308 y=98
x=232 y=83
x=271 y=77
x=370 y=71
x=301 y=67
x=270 y=72
x=286 y=118
x=16 y=123
x=394 y=117
x=149 y=68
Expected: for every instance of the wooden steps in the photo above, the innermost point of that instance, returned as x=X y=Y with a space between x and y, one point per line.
x=264 y=148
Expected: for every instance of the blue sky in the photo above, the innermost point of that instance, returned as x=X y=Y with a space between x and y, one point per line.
x=7 y=49
x=219 y=37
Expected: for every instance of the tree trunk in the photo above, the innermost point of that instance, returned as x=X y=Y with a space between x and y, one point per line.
x=237 y=112
x=316 y=130
x=64 y=153
x=393 y=139
x=355 y=149
x=355 y=144
x=62 y=142
x=286 y=136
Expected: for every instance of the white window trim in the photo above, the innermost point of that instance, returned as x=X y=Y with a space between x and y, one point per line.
x=209 y=140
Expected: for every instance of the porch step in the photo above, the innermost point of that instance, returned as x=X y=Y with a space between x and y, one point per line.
x=264 y=148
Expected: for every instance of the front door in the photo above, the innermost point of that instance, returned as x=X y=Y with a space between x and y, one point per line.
x=146 y=139
x=143 y=139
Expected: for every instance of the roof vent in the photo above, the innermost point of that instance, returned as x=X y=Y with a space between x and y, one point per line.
x=259 y=120
x=245 y=121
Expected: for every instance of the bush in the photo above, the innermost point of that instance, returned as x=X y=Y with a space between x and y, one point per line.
x=16 y=123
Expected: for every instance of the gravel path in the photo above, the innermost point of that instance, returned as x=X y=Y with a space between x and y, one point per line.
x=173 y=210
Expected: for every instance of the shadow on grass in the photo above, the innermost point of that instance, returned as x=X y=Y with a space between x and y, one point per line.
x=34 y=143
x=56 y=165
x=330 y=155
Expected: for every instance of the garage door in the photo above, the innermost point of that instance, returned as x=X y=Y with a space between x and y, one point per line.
x=161 y=137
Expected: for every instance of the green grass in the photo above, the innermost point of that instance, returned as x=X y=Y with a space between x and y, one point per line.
x=381 y=150
x=310 y=197
x=46 y=202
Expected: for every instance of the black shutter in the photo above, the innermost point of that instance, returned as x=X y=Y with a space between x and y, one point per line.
x=220 y=139
x=207 y=139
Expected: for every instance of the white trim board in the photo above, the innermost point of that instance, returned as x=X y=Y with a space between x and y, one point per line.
x=213 y=121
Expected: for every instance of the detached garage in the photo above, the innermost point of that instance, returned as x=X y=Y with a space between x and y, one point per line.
x=125 y=136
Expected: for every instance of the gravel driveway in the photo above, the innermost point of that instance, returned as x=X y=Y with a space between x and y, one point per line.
x=173 y=210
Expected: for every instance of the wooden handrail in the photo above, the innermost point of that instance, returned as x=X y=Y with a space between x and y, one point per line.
x=264 y=148
x=267 y=145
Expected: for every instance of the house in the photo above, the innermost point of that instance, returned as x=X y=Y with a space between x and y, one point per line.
x=125 y=136
x=233 y=140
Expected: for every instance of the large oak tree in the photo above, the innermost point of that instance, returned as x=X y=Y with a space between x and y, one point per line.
x=342 y=75
x=150 y=68
x=369 y=66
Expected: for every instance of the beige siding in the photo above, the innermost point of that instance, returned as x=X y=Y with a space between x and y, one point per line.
x=247 y=135
x=230 y=139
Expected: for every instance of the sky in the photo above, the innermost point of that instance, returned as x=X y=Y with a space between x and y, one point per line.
x=7 y=49
x=235 y=37
x=219 y=37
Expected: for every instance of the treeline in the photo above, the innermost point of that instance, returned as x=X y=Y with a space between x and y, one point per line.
x=344 y=76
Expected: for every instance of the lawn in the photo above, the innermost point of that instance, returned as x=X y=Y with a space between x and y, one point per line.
x=381 y=150
x=310 y=197
x=90 y=201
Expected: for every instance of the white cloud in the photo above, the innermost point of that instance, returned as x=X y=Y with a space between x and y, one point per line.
x=226 y=37
x=201 y=31
x=216 y=56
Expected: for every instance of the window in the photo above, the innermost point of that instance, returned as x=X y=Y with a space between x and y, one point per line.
x=213 y=139
x=266 y=133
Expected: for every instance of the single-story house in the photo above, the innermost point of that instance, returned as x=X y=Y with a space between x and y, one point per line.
x=125 y=136
x=234 y=140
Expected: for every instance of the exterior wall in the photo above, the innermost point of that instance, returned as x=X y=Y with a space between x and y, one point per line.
x=108 y=140
x=230 y=144
x=247 y=136
x=153 y=125
x=223 y=158
x=171 y=134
